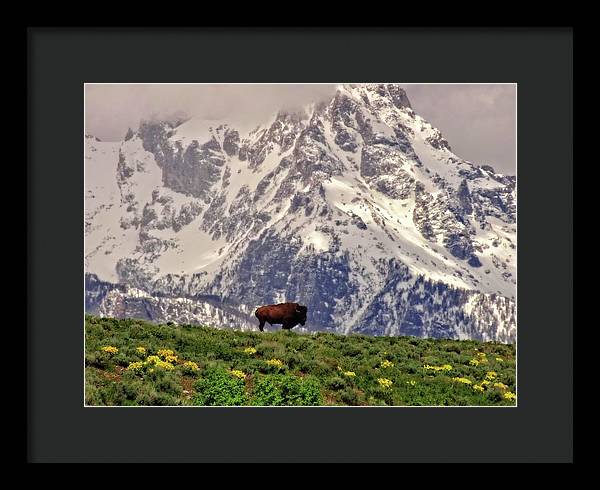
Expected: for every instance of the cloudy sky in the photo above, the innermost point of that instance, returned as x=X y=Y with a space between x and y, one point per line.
x=477 y=120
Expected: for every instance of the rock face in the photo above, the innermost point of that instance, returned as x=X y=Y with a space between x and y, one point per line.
x=357 y=208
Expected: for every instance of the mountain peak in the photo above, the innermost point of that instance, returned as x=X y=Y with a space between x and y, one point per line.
x=295 y=114
x=391 y=91
x=356 y=207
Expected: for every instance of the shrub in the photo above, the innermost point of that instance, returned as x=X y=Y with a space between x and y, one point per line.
x=267 y=391
x=350 y=350
x=349 y=397
x=494 y=395
x=218 y=387
x=146 y=394
x=166 y=382
x=220 y=350
x=309 y=393
x=96 y=359
x=92 y=388
x=453 y=348
x=120 y=359
x=285 y=389
x=336 y=383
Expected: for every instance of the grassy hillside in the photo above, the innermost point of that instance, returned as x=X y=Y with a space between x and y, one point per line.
x=131 y=362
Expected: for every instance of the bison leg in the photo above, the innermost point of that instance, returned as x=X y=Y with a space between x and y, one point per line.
x=261 y=325
x=288 y=326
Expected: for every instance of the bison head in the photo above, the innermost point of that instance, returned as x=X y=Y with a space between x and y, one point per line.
x=301 y=314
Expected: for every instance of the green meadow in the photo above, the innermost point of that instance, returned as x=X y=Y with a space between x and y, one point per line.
x=135 y=363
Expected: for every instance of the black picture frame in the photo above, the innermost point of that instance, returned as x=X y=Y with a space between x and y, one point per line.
x=61 y=60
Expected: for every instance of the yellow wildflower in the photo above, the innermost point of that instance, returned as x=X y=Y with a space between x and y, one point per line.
x=190 y=366
x=445 y=367
x=385 y=383
x=466 y=381
x=135 y=366
x=349 y=373
x=502 y=386
x=491 y=375
x=165 y=365
x=275 y=363
x=485 y=382
x=412 y=382
x=478 y=388
x=110 y=349
x=387 y=364
x=159 y=363
x=171 y=358
x=165 y=353
x=510 y=396
x=141 y=350
x=250 y=350
x=499 y=359
x=480 y=358
x=238 y=374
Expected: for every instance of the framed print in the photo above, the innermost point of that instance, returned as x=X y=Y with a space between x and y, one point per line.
x=226 y=253
x=336 y=211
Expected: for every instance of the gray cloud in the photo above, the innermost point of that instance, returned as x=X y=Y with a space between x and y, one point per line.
x=111 y=109
x=477 y=120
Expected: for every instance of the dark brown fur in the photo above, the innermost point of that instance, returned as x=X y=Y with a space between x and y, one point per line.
x=286 y=314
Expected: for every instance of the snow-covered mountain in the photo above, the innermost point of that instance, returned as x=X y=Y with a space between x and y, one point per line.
x=357 y=208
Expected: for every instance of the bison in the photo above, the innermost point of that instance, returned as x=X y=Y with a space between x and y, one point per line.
x=286 y=314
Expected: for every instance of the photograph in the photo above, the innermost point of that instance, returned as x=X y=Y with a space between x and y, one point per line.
x=342 y=244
